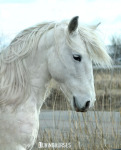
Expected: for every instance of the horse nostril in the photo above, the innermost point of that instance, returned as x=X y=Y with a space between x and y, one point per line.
x=87 y=104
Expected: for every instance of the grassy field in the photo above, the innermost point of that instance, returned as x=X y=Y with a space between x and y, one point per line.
x=108 y=89
x=85 y=135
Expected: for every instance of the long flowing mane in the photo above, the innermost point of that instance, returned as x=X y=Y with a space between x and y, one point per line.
x=15 y=85
x=14 y=74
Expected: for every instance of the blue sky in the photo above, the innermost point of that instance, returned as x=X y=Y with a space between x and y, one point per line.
x=16 y=15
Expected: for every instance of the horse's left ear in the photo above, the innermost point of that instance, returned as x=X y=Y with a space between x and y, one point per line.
x=73 y=24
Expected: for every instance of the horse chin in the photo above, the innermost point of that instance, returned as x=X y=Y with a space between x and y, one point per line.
x=80 y=110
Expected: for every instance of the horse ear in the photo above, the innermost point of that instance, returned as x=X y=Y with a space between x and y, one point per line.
x=73 y=24
x=96 y=26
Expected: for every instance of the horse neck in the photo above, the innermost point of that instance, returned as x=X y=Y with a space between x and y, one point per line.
x=39 y=73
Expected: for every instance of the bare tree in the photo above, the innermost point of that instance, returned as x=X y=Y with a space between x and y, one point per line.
x=3 y=43
x=116 y=44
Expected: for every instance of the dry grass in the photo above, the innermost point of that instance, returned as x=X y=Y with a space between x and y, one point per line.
x=91 y=134
x=108 y=89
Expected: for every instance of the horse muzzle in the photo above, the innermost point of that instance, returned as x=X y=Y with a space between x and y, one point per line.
x=77 y=106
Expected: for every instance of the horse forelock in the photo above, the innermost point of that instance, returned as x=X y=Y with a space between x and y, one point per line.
x=94 y=45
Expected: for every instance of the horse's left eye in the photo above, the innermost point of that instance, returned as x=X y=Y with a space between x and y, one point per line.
x=77 y=57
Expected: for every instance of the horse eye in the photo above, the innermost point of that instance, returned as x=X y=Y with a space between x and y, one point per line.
x=77 y=57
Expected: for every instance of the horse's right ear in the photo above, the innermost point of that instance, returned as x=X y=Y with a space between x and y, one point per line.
x=95 y=26
x=73 y=24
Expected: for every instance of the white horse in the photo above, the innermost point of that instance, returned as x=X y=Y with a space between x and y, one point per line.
x=61 y=51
